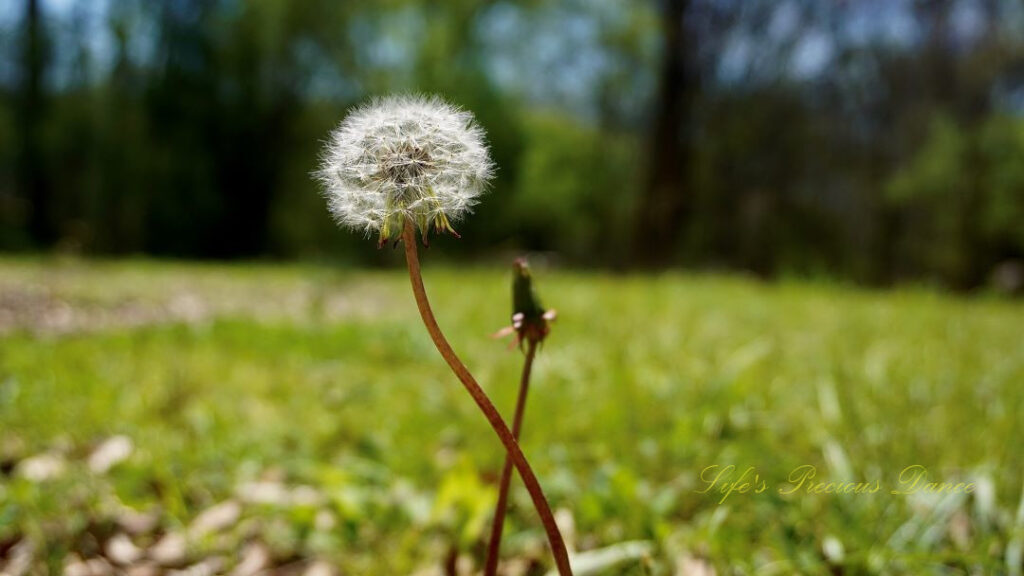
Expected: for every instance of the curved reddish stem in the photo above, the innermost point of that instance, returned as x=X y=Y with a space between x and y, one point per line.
x=484 y=403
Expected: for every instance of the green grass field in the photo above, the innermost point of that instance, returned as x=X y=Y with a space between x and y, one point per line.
x=308 y=406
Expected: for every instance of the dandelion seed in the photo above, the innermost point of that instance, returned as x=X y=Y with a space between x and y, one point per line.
x=404 y=158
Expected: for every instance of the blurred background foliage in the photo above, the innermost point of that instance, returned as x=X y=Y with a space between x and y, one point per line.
x=877 y=141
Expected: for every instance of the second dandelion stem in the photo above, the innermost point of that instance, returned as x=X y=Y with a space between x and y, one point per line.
x=494 y=545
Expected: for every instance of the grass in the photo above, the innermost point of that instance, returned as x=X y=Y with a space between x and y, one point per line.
x=304 y=376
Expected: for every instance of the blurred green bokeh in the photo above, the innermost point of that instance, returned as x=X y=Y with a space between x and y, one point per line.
x=278 y=407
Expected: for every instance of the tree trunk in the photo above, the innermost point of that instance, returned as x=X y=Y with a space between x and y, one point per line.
x=664 y=206
x=31 y=172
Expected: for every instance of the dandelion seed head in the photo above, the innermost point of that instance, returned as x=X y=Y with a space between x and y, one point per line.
x=404 y=158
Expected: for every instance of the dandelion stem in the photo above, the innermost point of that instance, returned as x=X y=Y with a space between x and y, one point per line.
x=484 y=403
x=494 y=545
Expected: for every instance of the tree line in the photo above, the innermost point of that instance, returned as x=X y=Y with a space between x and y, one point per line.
x=875 y=141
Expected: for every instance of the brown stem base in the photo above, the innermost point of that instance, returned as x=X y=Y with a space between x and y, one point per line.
x=498 y=525
x=484 y=403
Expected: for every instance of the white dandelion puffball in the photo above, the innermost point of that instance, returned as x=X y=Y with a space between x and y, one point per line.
x=404 y=158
